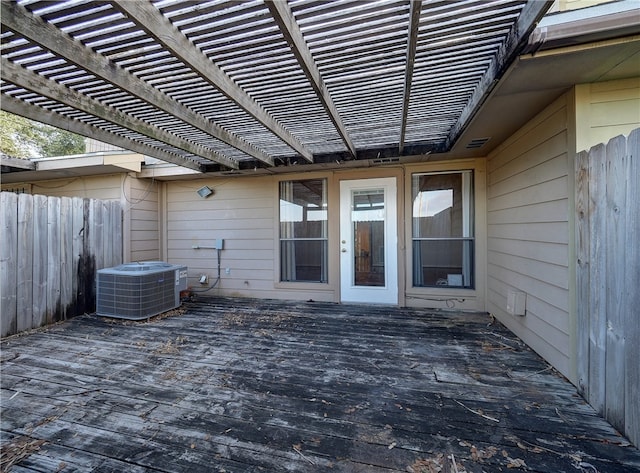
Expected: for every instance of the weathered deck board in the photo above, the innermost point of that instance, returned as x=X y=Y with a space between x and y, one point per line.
x=250 y=385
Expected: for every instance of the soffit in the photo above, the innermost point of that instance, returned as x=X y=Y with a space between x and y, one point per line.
x=595 y=44
x=220 y=85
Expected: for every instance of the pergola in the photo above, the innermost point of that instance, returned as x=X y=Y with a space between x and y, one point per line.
x=227 y=85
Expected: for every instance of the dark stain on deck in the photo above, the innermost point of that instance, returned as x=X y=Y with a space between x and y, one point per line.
x=236 y=385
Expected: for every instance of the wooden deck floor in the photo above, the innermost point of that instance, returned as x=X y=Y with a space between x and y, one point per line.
x=233 y=385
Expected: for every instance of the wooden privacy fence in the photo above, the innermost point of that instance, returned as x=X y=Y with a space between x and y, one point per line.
x=51 y=248
x=608 y=280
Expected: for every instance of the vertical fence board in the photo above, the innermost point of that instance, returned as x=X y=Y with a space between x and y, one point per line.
x=95 y=249
x=86 y=264
x=608 y=280
x=77 y=225
x=615 y=281
x=8 y=262
x=107 y=234
x=97 y=237
x=582 y=272
x=598 y=277
x=66 y=257
x=50 y=250
x=53 y=266
x=632 y=294
x=40 y=260
x=97 y=245
x=24 y=290
x=118 y=234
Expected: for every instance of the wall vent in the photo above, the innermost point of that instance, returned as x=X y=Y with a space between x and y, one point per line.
x=137 y=291
x=385 y=160
x=477 y=143
x=516 y=302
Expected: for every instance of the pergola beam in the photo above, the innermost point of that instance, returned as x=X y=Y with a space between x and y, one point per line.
x=17 y=163
x=149 y=18
x=412 y=42
x=33 y=112
x=285 y=20
x=20 y=20
x=530 y=15
x=16 y=74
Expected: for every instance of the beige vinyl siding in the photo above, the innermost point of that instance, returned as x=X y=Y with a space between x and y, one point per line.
x=105 y=187
x=528 y=232
x=244 y=212
x=139 y=199
x=93 y=146
x=605 y=110
x=142 y=218
x=565 y=5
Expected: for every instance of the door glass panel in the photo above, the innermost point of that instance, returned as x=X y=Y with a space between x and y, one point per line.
x=367 y=217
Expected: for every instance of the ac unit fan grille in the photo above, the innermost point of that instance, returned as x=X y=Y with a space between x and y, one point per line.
x=123 y=292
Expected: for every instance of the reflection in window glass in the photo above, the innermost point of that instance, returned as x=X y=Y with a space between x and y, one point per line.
x=303 y=230
x=368 y=215
x=442 y=227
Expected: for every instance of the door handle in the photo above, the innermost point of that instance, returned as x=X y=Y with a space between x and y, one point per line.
x=344 y=250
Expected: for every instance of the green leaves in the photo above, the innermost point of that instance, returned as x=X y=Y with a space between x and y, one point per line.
x=23 y=138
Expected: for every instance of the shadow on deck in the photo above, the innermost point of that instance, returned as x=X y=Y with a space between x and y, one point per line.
x=236 y=385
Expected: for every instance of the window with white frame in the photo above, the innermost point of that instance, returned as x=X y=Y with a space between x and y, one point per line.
x=443 y=230
x=303 y=231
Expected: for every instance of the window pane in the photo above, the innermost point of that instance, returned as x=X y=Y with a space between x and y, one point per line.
x=443 y=243
x=443 y=263
x=303 y=260
x=303 y=230
x=303 y=209
x=441 y=205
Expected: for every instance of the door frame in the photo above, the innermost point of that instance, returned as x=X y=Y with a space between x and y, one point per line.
x=388 y=294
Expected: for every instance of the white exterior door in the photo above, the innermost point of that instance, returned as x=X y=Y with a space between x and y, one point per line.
x=368 y=241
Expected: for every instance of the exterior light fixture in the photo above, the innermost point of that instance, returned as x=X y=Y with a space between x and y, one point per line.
x=205 y=191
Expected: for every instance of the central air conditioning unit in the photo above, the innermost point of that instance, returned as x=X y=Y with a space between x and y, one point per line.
x=137 y=291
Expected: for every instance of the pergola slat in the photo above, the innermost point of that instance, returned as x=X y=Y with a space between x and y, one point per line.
x=260 y=82
x=30 y=80
x=33 y=112
x=289 y=28
x=17 y=18
x=149 y=18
